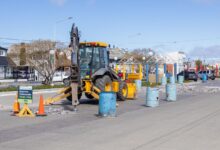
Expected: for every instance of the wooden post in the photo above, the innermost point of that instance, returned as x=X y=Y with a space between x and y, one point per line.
x=157 y=73
x=147 y=73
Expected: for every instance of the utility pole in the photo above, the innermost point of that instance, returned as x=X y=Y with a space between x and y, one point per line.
x=55 y=26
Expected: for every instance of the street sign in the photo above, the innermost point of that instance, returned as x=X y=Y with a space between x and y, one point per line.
x=25 y=94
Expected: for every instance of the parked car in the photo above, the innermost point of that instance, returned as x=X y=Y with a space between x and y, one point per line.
x=210 y=74
x=188 y=75
x=60 y=76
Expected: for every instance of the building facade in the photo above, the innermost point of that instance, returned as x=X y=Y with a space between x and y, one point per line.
x=6 y=65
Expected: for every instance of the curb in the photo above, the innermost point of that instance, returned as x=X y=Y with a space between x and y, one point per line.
x=34 y=92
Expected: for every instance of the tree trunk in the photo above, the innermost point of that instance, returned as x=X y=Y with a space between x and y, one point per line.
x=48 y=80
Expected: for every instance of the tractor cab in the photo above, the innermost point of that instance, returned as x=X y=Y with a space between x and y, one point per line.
x=92 y=57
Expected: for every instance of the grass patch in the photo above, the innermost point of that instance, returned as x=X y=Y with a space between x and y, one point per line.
x=8 y=89
x=188 y=81
x=144 y=83
x=38 y=87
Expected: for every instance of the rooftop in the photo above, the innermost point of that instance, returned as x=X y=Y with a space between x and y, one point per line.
x=6 y=61
x=2 y=48
x=116 y=52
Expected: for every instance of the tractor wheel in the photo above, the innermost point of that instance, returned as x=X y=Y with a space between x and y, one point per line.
x=66 y=82
x=89 y=96
x=123 y=91
x=103 y=82
x=69 y=98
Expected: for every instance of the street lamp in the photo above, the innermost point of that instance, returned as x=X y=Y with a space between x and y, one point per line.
x=52 y=57
x=116 y=66
x=57 y=22
x=150 y=53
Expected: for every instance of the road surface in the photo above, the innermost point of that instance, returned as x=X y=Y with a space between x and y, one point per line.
x=191 y=123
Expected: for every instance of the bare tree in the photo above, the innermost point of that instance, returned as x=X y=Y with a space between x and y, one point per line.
x=41 y=55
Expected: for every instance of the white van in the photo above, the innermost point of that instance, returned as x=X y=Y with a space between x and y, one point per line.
x=59 y=76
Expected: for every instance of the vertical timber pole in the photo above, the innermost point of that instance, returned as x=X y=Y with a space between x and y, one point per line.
x=157 y=73
x=165 y=69
x=175 y=71
x=147 y=73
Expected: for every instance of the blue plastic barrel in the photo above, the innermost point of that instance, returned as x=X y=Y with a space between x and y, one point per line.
x=107 y=104
x=138 y=84
x=152 y=98
x=172 y=80
x=204 y=78
x=180 y=79
x=171 y=92
x=163 y=81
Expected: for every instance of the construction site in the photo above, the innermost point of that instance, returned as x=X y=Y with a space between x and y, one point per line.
x=123 y=89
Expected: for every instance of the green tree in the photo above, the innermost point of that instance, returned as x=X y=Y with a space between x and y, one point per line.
x=198 y=64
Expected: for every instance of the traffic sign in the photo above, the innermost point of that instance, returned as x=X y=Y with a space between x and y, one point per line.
x=25 y=94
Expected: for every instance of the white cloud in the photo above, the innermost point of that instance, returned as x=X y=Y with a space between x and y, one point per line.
x=58 y=2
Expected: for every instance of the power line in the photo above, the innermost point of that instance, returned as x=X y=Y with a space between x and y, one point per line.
x=174 y=41
x=21 y=40
x=14 y=39
x=165 y=42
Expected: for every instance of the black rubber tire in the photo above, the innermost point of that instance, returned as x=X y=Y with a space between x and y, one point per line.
x=66 y=82
x=120 y=95
x=89 y=96
x=69 y=98
x=101 y=82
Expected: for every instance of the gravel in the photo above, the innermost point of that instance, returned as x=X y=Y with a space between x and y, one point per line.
x=56 y=110
x=193 y=89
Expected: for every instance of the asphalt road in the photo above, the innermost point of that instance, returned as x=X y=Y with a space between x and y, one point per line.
x=191 y=123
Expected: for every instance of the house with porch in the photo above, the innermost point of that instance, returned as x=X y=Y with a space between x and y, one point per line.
x=6 y=64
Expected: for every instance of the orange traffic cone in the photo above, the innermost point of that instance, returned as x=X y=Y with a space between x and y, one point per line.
x=41 y=107
x=16 y=106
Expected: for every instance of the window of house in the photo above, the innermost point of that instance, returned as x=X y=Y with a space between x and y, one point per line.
x=1 y=53
x=8 y=70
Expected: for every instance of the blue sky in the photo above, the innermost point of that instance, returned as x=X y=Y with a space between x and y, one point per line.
x=164 y=25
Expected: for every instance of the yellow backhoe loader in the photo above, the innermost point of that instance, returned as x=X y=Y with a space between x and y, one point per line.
x=91 y=72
